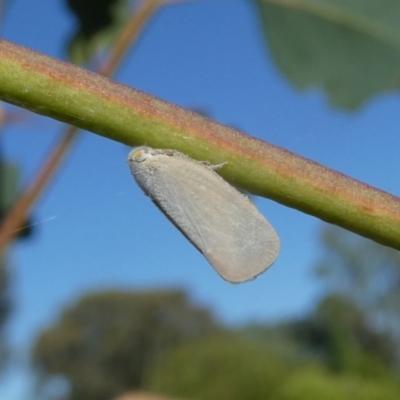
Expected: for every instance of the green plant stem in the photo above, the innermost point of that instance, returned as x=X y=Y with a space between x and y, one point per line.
x=92 y=102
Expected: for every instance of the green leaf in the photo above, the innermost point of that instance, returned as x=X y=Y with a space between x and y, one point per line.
x=350 y=48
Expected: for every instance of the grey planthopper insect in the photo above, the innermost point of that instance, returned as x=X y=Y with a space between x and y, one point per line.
x=221 y=222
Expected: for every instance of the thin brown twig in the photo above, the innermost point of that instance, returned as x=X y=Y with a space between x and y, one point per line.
x=16 y=216
x=19 y=212
x=130 y=32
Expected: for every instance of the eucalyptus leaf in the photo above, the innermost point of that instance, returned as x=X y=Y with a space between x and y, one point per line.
x=349 y=48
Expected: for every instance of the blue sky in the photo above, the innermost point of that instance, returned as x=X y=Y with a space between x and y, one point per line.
x=96 y=230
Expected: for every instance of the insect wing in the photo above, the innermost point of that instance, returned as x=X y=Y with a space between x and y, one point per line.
x=222 y=223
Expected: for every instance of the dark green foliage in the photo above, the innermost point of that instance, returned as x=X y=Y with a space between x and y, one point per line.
x=98 y=23
x=93 y=15
x=106 y=343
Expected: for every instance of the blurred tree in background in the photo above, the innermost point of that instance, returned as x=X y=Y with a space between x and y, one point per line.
x=338 y=335
x=355 y=325
x=335 y=336
x=311 y=383
x=106 y=343
x=226 y=367
x=367 y=275
x=236 y=367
